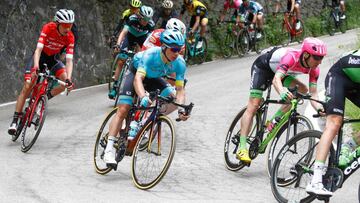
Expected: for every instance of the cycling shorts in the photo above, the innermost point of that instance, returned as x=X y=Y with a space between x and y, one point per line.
x=129 y=42
x=55 y=66
x=202 y=19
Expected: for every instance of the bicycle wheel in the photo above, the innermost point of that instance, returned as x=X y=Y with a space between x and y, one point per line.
x=299 y=124
x=228 y=45
x=100 y=145
x=110 y=77
x=149 y=166
x=242 y=43
x=233 y=138
x=121 y=77
x=331 y=25
x=293 y=168
x=285 y=36
x=33 y=124
x=260 y=43
x=300 y=34
x=201 y=53
x=343 y=25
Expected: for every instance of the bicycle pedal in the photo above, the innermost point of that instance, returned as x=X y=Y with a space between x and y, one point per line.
x=113 y=166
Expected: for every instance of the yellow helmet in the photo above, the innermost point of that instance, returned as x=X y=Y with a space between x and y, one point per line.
x=135 y=3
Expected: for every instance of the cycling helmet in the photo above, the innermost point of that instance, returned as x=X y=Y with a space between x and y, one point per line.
x=146 y=12
x=172 y=38
x=314 y=46
x=167 y=4
x=188 y=2
x=176 y=24
x=65 y=16
x=135 y=3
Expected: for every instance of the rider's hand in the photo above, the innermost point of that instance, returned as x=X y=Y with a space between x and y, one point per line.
x=145 y=101
x=321 y=111
x=182 y=115
x=252 y=26
x=191 y=32
x=285 y=95
x=32 y=75
x=69 y=85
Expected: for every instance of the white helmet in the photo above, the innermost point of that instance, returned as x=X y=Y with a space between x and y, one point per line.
x=167 y=4
x=176 y=24
x=65 y=16
x=146 y=12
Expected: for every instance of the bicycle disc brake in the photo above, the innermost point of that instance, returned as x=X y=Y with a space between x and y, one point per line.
x=254 y=148
x=333 y=179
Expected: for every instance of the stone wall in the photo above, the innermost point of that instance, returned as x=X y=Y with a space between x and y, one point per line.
x=21 y=22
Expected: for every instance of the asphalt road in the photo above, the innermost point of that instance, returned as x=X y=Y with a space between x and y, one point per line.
x=59 y=167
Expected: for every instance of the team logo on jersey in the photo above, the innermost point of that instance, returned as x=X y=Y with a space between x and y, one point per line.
x=354 y=60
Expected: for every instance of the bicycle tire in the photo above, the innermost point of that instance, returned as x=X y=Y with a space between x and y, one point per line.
x=242 y=43
x=343 y=25
x=19 y=129
x=24 y=146
x=232 y=141
x=140 y=180
x=261 y=43
x=300 y=168
x=301 y=33
x=110 y=79
x=201 y=55
x=227 y=45
x=120 y=80
x=101 y=141
x=331 y=24
x=273 y=151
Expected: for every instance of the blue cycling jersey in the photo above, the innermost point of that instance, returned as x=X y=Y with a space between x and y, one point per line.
x=253 y=7
x=150 y=64
x=135 y=28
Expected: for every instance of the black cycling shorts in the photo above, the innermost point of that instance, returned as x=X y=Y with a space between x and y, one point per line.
x=55 y=66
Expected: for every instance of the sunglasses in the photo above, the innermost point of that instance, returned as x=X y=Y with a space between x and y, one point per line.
x=66 y=25
x=175 y=49
x=317 y=58
x=146 y=19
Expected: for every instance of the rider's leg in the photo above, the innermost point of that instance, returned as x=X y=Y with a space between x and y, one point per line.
x=298 y=15
x=342 y=8
x=59 y=72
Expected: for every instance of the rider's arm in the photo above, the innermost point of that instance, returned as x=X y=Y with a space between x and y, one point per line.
x=292 y=5
x=277 y=82
x=138 y=84
x=313 y=78
x=37 y=55
x=182 y=12
x=286 y=62
x=122 y=35
x=196 y=24
x=69 y=57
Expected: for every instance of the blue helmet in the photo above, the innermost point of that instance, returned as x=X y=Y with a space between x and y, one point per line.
x=172 y=38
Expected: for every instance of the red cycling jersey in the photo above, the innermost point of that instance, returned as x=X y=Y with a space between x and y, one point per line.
x=52 y=41
x=153 y=40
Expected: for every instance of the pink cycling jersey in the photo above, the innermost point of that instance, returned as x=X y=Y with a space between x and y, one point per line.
x=53 y=42
x=235 y=4
x=287 y=62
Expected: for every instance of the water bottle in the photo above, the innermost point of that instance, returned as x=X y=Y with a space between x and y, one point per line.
x=134 y=128
x=273 y=123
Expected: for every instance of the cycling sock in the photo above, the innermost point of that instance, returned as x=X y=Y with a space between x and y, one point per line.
x=16 y=116
x=242 y=142
x=319 y=168
x=352 y=143
x=110 y=143
x=49 y=95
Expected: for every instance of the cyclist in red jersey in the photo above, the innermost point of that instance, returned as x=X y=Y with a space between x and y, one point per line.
x=53 y=38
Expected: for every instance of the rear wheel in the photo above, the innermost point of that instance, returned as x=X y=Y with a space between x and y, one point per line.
x=120 y=80
x=285 y=36
x=110 y=78
x=242 y=43
x=150 y=164
x=233 y=138
x=300 y=34
x=228 y=45
x=201 y=53
x=343 y=25
x=33 y=124
x=331 y=25
x=293 y=167
x=260 y=43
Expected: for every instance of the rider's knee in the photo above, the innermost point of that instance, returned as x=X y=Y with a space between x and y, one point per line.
x=303 y=88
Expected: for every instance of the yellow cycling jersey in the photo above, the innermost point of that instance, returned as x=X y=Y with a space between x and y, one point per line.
x=126 y=14
x=196 y=9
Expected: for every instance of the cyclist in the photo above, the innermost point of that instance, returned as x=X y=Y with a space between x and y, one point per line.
x=134 y=9
x=166 y=12
x=147 y=69
x=256 y=15
x=198 y=12
x=295 y=5
x=54 y=36
x=281 y=65
x=230 y=4
x=342 y=81
x=134 y=32
x=341 y=3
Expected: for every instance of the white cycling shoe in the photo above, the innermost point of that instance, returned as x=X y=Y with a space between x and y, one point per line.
x=318 y=189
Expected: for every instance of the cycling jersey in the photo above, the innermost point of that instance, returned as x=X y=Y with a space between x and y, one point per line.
x=235 y=4
x=343 y=81
x=160 y=13
x=195 y=9
x=135 y=28
x=124 y=18
x=153 y=40
x=253 y=7
x=289 y=4
x=52 y=42
x=278 y=60
x=150 y=64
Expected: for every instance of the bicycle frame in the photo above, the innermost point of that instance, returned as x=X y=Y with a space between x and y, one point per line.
x=191 y=47
x=289 y=22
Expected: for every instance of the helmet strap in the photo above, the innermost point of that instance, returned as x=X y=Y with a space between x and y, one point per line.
x=163 y=50
x=305 y=57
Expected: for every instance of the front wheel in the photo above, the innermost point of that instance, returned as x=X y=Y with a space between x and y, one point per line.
x=343 y=25
x=331 y=25
x=298 y=124
x=261 y=42
x=201 y=53
x=228 y=45
x=151 y=162
x=33 y=124
x=293 y=167
x=242 y=43
x=233 y=138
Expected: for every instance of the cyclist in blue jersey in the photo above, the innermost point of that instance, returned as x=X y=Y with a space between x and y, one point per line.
x=134 y=33
x=256 y=15
x=147 y=70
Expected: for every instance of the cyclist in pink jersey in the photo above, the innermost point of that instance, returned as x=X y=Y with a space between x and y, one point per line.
x=53 y=38
x=280 y=66
x=235 y=4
